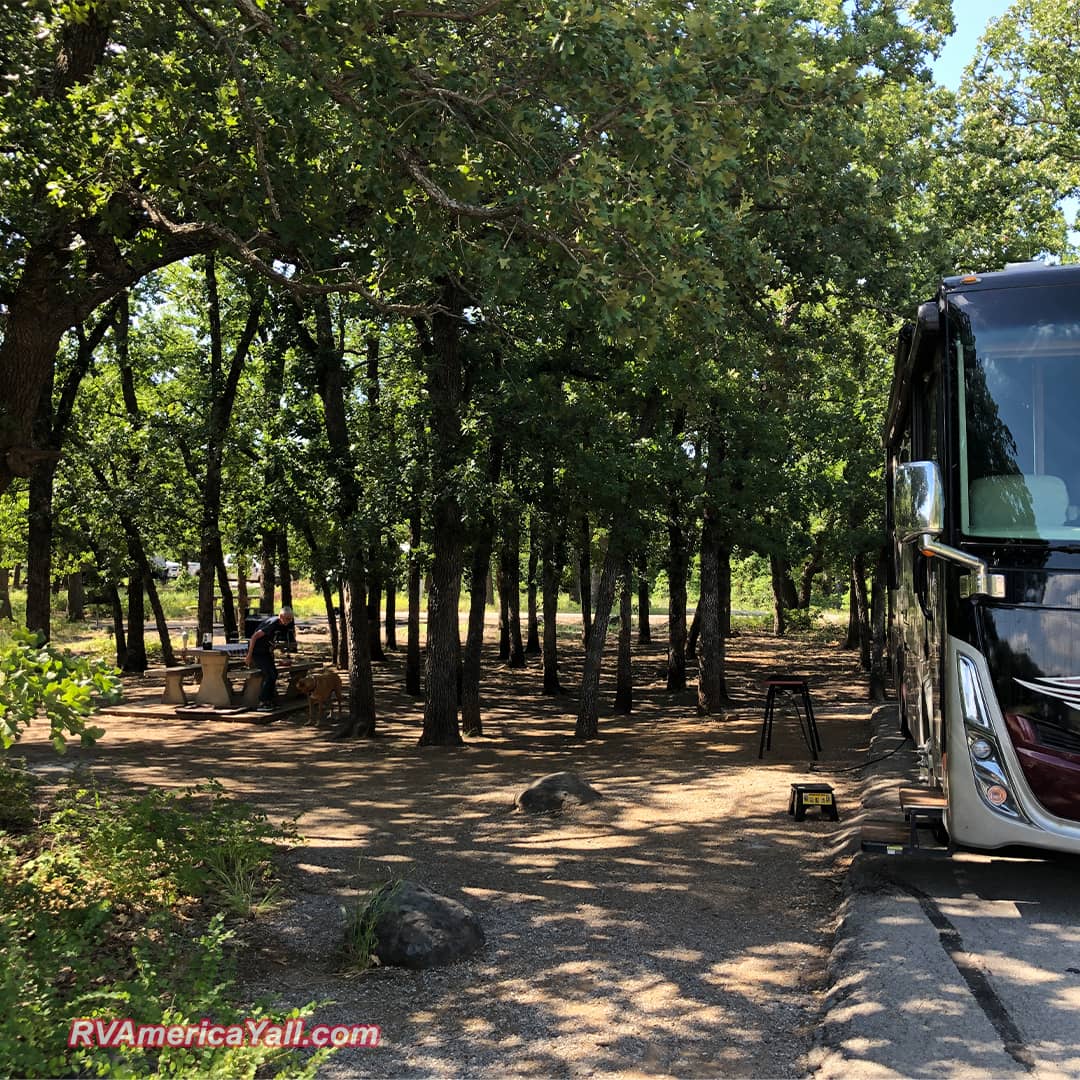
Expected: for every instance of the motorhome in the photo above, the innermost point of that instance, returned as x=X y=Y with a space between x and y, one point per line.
x=983 y=509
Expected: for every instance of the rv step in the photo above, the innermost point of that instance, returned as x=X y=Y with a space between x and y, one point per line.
x=887 y=836
x=921 y=798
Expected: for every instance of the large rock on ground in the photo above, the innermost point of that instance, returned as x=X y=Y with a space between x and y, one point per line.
x=416 y=928
x=550 y=793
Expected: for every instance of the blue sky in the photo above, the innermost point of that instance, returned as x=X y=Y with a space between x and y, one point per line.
x=971 y=19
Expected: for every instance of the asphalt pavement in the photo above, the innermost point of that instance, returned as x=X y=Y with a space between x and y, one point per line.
x=947 y=967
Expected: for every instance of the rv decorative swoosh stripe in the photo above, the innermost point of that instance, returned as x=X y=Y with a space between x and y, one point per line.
x=1066 y=689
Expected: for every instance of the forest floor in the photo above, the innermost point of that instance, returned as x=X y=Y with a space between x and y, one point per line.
x=679 y=926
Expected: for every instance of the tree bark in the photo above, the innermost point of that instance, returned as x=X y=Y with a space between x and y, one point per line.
x=624 y=679
x=724 y=563
x=532 y=644
x=471 y=720
x=694 y=633
x=390 y=621
x=712 y=688
x=412 y=645
x=284 y=566
x=39 y=549
x=877 y=628
x=812 y=568
x=511 y=574
x=375 y=587
x=5 y=594
x=776 y=576
x=503 y=590
x=135 y=654
x=585 y=577
x=851 y=640
x=268 y=577
x=862 y=607
x=327 y=350
x=644 y=629
x=588 y=723
x=119 y=636
x=445 y=392
x=678 y=558
x=76 y=597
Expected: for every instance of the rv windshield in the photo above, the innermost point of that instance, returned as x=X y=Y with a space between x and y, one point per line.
x=1017 y=364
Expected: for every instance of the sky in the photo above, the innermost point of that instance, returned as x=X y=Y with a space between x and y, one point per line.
x=971 y=19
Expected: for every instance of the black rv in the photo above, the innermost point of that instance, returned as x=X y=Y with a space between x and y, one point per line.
x=983 y=443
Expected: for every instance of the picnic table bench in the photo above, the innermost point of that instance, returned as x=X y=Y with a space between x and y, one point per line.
x=249 y=695
x=173 y=694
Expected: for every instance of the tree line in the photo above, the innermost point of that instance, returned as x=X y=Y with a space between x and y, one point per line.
x=611 y=283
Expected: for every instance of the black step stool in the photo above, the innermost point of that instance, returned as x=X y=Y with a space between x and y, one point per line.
x=799 y=690
x=819 y=795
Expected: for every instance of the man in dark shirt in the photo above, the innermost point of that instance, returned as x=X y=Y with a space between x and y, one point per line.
x=260 y=654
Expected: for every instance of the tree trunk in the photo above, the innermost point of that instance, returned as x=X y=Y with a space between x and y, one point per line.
x=374 y=622
x=503 y=590
x=678 y=558
x=644 y=635
x=877 y=628
x=390 y=621
x=135 y=654
x=16 y=577
x=412 y=645
x=445 y=392
x=334 y=389
x=862 y=607
x=724 y=563
x=511 y=573
x=588 y=724
x=243 y=605
x=118 y=622
x=39 y=550
x=76 y=597
x=471 y=720
x=712 y=689
x=532 y=644
x=343 y=628
x=694 y=634
x=5 y=594
x=809 y=572
x=284 y=566
x=585 y=577
x=624 y=679
x=851 y=640
x=777 y=577
x=268 y=578
x=229 y=622
x=552 y=571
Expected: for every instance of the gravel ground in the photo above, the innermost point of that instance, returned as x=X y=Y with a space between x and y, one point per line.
x=681 y=926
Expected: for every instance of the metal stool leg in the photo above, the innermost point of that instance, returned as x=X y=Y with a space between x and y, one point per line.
x=813 y=719
x=766 y=724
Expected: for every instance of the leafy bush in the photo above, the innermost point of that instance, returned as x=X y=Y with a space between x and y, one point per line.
x=16 y=796
x=110 y=912
x=36 y=678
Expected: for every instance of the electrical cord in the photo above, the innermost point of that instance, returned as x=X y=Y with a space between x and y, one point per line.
x=816 y=765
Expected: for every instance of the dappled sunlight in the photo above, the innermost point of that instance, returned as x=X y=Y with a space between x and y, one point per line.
x=664 y=929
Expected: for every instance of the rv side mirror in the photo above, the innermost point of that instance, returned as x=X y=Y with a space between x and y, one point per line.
x=918 y=501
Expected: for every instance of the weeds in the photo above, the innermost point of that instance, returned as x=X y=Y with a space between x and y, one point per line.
x=361 y=923
x=117 y=907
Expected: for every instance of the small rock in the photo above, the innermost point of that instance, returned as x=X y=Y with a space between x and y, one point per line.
x=549 y=794
x=416 y=928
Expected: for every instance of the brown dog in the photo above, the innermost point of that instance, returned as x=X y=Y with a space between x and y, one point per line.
x=320 y=687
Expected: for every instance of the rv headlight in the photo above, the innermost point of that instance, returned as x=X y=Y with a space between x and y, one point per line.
x=982 y=750
x=971 y=699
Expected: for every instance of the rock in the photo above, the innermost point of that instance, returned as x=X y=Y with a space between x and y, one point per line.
x=549 y=794
x=416 y=928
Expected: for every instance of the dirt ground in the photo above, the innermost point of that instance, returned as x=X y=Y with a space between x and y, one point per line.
x=680 y=926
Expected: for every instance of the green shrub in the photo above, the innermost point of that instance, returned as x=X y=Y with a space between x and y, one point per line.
x=17 y=787
x=114 y=909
